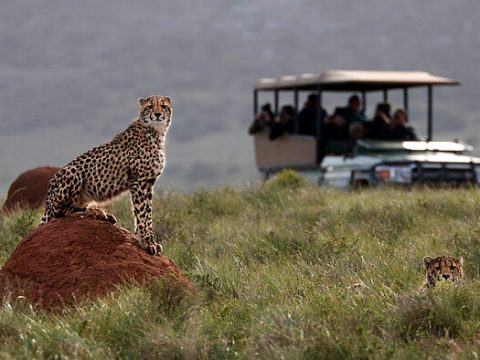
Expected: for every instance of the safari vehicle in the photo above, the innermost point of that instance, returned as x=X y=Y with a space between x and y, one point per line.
x=372 y=162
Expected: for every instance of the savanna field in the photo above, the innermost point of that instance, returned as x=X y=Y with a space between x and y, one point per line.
x=273 y=265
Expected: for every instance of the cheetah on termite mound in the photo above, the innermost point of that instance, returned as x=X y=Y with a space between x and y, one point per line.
x=133 y=160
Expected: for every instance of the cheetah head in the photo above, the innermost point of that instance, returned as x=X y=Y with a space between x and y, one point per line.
x=156 y=111
x=443 y=268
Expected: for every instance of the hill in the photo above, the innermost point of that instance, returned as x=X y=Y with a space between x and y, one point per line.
x=273 y=266
x=70 y=74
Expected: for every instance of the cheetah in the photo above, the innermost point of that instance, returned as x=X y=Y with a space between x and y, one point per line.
x=442 y=268
x=132 y=161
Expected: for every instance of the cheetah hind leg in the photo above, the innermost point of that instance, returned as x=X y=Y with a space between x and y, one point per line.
x=59 y=200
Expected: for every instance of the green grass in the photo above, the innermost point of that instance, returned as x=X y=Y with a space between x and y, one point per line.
x=272 y=264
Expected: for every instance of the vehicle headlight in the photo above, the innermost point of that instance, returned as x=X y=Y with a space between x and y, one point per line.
x=396 y=174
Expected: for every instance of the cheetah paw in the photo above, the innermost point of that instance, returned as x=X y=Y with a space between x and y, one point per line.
x=110 y=218
x=153 y=248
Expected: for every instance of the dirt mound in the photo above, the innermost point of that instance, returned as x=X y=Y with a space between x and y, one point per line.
x=29 y=189
x=73 y=258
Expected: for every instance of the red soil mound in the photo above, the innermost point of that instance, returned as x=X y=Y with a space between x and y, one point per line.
x=71 y=259
x=29 y=189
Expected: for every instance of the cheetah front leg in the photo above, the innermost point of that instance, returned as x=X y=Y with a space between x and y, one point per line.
x=142 y=194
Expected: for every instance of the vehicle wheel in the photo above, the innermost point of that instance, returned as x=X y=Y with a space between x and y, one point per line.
x=361 y=184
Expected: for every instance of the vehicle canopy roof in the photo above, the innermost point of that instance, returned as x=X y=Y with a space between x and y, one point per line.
x=354 y=80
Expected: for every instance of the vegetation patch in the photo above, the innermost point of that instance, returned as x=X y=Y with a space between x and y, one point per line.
x=280 y=269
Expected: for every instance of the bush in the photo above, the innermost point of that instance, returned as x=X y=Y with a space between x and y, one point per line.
x=287 y=179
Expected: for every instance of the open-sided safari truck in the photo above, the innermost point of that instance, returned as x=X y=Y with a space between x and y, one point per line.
x=371 y=162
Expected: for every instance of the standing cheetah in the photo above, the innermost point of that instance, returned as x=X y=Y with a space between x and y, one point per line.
x=133 y=160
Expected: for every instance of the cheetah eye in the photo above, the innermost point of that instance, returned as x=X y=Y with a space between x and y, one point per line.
x=149 y=107
x=453 y=268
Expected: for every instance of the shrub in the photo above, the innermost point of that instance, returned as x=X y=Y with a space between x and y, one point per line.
x=287 y=179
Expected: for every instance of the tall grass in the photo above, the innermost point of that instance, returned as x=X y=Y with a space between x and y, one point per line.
x=273 y=265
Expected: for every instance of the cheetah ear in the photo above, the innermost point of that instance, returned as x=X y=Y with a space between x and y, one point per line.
x=141 y=101
x=169 y=99
x=460 y=260
x=427 y=260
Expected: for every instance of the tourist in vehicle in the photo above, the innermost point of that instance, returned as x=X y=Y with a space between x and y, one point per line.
x=335 y=128
x=263 y=120
x=284 y=123
x=346 y=146
x=377 y=128
x=384 y=108
x=399 y=129
x=307 y=119
x=353 y=111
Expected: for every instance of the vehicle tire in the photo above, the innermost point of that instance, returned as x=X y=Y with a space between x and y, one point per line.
x=360 y=184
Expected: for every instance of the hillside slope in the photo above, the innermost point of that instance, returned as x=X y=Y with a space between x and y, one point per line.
x=70 y=73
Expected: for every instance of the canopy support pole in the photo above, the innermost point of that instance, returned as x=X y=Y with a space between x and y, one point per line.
x=295 y=104
x=255 y=102
x=276 y=102
x=430 y=113
x=405 y=99
x=319 y=121
x=364 y=101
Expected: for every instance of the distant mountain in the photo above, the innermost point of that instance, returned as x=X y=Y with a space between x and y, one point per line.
x=70 y=72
